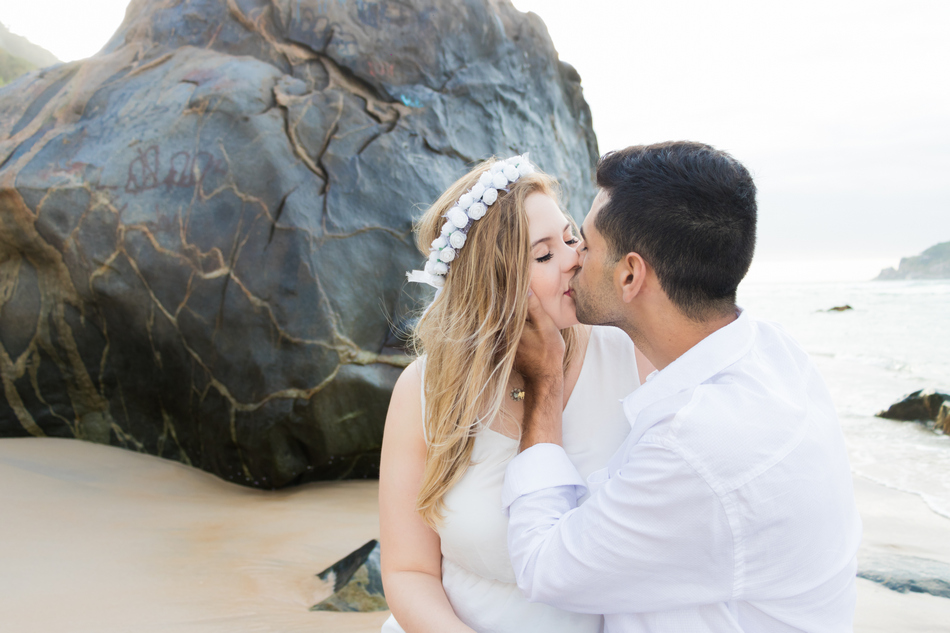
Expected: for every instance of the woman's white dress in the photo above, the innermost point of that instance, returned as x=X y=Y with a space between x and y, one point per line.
x=476 y=570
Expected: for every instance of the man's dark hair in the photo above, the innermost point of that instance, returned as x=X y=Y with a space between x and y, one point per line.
x=689 y=210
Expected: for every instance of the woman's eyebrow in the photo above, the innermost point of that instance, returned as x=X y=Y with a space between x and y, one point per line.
x=567 y=227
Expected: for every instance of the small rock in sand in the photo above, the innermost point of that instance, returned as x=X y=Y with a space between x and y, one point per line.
x=357 y=582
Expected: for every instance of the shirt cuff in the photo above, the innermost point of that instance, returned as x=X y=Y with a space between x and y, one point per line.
x=537 y=468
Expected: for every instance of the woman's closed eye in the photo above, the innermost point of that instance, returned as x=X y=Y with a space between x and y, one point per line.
x=570 y=241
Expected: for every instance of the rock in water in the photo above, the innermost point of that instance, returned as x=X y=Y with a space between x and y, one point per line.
x=904 y=573
x=942 y=421
x=920 y=405
x=357 y=582
x=205 y=228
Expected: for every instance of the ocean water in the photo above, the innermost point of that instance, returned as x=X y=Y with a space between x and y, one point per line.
x=895 y=340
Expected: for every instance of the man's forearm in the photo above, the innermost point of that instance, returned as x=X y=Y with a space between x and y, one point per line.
x=543 y=404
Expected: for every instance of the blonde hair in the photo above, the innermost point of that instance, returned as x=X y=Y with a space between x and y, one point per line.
x=470 y=333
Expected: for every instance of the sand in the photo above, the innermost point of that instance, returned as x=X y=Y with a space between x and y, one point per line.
x=899 y=523
x=102 y=540
x=99 y=539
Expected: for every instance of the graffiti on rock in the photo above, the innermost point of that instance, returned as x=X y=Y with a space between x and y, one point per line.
x=184 y=170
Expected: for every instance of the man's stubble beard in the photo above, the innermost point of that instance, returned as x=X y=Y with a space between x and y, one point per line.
x=592 y=306
x=583 y=313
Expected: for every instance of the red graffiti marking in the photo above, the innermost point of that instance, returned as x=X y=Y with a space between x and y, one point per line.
x=185 y=170
x=380 y=69
x=143 y=171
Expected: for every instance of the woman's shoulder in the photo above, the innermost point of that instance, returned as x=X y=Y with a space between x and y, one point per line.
x=612 y=337
x=405 y=407
x=411 y=376
x=617 y=350
x=614 y=357
x=408 y=387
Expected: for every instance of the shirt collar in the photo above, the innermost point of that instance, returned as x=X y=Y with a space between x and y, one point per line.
x=702 y=361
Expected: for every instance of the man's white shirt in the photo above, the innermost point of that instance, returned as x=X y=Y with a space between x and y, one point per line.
x=728 y=508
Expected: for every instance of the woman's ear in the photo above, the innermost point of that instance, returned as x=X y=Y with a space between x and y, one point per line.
x=631 y=273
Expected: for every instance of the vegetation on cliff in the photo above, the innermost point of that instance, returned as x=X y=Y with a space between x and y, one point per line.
x=19 y=56
x=12 y=67
x=19 y=46
x=933 y=263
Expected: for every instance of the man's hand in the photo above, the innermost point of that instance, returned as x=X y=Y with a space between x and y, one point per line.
x=540 y=355
x=540 y=359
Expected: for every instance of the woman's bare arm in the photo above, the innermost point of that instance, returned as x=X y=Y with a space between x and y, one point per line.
x=411 y=557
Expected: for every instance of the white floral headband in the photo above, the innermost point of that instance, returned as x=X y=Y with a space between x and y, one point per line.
x=471 y=206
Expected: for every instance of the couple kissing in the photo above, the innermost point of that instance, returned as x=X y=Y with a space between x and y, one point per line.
x=595 y=437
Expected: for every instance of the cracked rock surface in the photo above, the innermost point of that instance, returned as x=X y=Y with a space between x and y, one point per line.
x=204 y=228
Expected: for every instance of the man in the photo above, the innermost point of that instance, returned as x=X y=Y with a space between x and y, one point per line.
x=730 y=505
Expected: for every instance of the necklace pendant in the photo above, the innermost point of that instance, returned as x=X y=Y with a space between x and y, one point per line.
x=517 y=394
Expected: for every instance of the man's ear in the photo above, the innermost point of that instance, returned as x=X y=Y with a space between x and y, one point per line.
x=631 y=273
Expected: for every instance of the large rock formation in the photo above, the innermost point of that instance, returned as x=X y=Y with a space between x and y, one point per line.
x=933 y=263
x=204 y=228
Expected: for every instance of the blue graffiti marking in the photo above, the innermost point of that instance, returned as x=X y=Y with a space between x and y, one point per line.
x=410 y=102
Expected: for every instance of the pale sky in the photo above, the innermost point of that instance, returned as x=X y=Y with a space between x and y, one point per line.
x=69 y=29
x=841 y=108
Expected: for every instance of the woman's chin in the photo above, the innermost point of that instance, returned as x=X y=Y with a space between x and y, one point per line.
x=564 y=321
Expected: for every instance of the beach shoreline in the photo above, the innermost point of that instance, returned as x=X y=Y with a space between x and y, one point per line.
x=100 y=539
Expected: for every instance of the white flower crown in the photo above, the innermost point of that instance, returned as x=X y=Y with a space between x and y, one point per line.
x=471 y=206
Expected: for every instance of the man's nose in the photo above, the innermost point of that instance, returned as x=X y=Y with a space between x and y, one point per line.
x=571 y=261
x=581 y=254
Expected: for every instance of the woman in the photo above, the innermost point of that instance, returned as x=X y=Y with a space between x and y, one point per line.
x=454 y=418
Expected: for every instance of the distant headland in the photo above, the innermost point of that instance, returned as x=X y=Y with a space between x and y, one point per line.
x=933 y=263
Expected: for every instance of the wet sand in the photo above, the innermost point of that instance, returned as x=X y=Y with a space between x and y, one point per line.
x=897 y=522
x=101 y=540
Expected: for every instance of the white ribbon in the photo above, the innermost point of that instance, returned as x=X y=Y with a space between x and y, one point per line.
x=422 y=277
